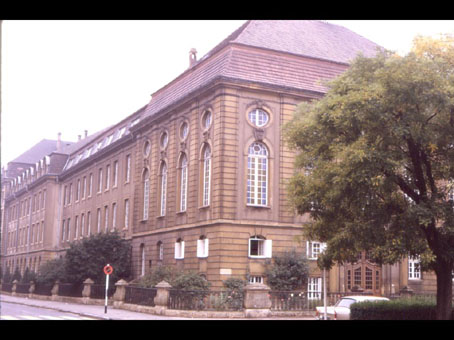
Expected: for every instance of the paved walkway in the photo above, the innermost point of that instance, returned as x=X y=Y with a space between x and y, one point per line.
x=97 y=311
x=94 y=311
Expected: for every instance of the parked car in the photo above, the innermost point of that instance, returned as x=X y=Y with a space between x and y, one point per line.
x=341 y=310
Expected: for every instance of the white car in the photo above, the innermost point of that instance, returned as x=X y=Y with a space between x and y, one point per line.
x=341 y=310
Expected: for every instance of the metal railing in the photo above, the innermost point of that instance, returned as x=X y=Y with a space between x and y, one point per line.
x=43 y=289
x=98 y=291
x=205 y=300
x=7 y=287
x=70 y=289
x=22 y=288
x=140 y=295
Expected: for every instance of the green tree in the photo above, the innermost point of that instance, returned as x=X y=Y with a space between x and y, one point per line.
x=87 y=258
x=16 y=275
x=375 y=163
x=288 y=271
x=51 y=271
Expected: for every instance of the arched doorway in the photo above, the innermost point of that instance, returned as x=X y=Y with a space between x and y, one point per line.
x=363 y=276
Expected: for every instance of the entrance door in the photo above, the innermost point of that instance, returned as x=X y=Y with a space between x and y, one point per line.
x=363 y=275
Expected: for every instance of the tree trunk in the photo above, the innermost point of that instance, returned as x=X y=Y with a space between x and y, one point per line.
x=444 y=291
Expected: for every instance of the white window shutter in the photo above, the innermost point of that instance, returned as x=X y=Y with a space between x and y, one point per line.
x=322 y=247
x=206 y=247
x=182 y=249
x=176 y=249
x=308 y=250
x=199 y=248
x=268 y=248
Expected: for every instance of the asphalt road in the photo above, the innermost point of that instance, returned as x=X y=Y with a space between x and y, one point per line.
x=13 y=311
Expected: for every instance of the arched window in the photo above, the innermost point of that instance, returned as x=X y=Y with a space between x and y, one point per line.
x=257 y=175
x=183 y=182
x=206 y=178
x=163 y=175
x=146 y=193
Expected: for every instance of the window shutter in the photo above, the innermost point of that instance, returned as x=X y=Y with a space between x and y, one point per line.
x=308 y=250
x=182 y=249
x=268 y=248
x=176 y=249
x=206 y=247
x=199 y=248
x=322 y=247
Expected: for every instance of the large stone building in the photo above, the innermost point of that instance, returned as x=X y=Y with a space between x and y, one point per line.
x=195 y=178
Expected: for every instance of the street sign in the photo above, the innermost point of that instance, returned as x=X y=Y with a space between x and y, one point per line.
x=108 y=269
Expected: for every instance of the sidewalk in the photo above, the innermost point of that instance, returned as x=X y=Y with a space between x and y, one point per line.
x=97 y=311
x=93 y=311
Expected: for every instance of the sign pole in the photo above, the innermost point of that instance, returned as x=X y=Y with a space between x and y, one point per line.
x=107 y=288
x=107 y=270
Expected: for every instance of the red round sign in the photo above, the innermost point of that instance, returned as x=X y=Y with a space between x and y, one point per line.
x=108 y=269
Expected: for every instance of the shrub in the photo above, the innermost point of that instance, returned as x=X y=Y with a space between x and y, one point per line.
x=234 y=295
x=415 y=308
x=161 y=273
x=51 y=271
x=288 y=272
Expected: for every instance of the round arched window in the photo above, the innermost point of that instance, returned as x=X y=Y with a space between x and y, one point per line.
x=206 y=119
x=146 y=148
x=184 y=130
x=258 y=117
x=164 y=139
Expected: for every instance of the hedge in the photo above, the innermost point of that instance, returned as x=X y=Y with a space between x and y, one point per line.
x=400 y=309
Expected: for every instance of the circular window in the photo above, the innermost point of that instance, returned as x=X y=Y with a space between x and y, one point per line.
x=184 y=130
x=206 y=119
x=258 y=117
x=164 y=139
x=146 y=148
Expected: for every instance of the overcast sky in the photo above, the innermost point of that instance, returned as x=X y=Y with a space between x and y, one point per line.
x=71 y=76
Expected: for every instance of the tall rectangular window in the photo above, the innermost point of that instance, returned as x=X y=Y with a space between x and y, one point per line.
x=99 y=180
x=68 y=229
x=115 y=173
x=84 y=187
x=128 y=168
x=206 y=176
x=126 y=214
x=90 y=185
x=98 y=220
x=114 y=215
x=70 y=193
x=82 y=225
x=63 y=230
x=106 y=218
x=107 y=177
x=414 y=269
x=76 y=228
x=257 y=175
x=88 y=223
x=78 y=190
x=314 y=288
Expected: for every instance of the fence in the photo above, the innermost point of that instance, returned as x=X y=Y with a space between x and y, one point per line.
x=98 y=291
x=205 y=300
x=22 y=288
x=70 y=290
x=43 y=289
x=140 y=295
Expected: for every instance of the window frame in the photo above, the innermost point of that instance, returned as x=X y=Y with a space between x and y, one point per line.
x=264 y=247
x=254 y=179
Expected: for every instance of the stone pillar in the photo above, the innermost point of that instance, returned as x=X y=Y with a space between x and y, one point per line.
x=257 y=302
x=406 y=292
x=161 y=299
x=31 y=290
x=14 y=287
x=120 y=292
x=86 y=292
x=54 y=291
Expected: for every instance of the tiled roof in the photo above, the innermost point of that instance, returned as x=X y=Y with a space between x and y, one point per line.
x=306 y=52
x=38 y=151
x=311 y=38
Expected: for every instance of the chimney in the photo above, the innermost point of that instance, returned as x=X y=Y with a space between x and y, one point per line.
x=86 y=133
x=79 y=137
x=59 y=142
x=192 y=57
